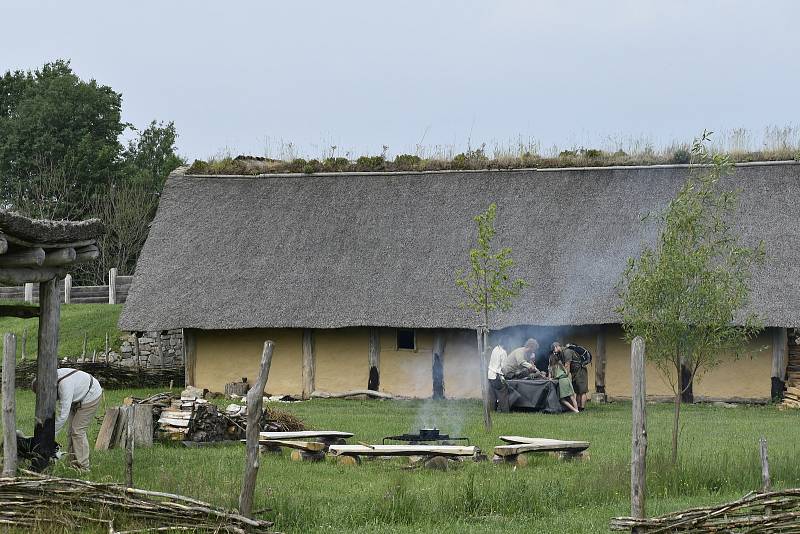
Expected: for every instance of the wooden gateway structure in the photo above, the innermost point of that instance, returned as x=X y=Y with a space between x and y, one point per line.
x=37 y=251
x=352 y=275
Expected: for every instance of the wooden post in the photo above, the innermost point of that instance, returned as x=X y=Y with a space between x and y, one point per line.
x=9 y=406
x=487 y=417
x=83 y=352
x=112 y=286
x=374 y=381
x=67 y=289
x=106 y=351
x=129 y=443
x=189 y=355
x=28 y=292
x=600 y=364
x=639 y=430
x=255 y=398
x=25 y=343
x=766 y=484
x=309 y=362
x=46 y=373
x=437 y=364
x=780 y=342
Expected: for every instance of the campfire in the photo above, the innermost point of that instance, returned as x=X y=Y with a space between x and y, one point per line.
x=426 y=435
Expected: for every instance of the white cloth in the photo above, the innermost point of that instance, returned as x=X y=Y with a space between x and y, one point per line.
x=496 y=362
x=78 y=387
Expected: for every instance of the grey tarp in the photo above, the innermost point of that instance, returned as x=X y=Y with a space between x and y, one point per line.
x=538 y=395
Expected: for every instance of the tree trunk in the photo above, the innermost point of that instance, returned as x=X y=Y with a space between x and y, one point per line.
x=44 y=435
x=687 y=393
x=255 y=398
x=676 y=428
x=487 y=417
x=639 y=430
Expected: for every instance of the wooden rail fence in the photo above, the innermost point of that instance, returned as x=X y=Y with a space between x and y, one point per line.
x=116 y=292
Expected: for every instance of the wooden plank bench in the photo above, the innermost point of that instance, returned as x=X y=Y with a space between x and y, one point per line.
x=349 y=454
x=306 y=444
x=519 y=445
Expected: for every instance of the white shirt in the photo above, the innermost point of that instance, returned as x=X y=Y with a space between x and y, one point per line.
x=496 y=362
x=77 y=387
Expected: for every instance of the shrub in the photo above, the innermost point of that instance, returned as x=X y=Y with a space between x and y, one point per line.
x=370 y=163
x=407 y=162
x=297 y=165
x=681 y=155
x=312 y=166
x=335 y=164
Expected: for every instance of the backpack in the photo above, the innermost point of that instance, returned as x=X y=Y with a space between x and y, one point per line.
x=584 y=356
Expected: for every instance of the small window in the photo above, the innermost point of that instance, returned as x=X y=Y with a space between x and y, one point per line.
x=406 y=340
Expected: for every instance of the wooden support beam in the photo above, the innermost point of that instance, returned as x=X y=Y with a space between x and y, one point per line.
x=22 y=275
x=639 y=430
x=19 y=311
x=255 y=398
x=374 y=381
x=309 y=363
x=600 y=362
x=86 y=254
x=67 y=289
x=9 y=406
x=27 y=291
x=46 y=374
x=189 y=355
x=59 y=256
x=33 y=257
x=3 y=245
x=780 y=343
x=112 y=286
x=437 y=364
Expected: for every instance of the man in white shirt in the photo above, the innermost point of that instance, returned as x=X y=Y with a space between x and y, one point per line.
x=78 y=399
x=499 y=389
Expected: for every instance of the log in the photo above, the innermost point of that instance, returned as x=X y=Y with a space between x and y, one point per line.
x=3 y=245
x=143 y=425
x=638 y=430
x=47 y=376
x=106 y=434
x=309 y=363
x=304 y=434
x=309 y=446
x=19 y=311
x=237 y=388
x=306 y=456
x=33 y=257
x=23 y=275
x=353 y=393
x=59 y=256
x=402 y=450
x=86 y=254
x=9 y=406
x=255 y=398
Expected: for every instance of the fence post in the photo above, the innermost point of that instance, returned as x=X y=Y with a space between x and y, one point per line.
x=112 y=286
x=28 y=292
x=9 y=406
x=639 y=431
x=67 y=288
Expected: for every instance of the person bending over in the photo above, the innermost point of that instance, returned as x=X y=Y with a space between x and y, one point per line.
x=78 y=399
x=559 y=374
x=519 y=362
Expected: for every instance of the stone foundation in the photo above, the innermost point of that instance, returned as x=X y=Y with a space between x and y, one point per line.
x=171 y=343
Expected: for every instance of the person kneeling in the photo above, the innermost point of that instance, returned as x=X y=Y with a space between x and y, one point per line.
x=559 y=374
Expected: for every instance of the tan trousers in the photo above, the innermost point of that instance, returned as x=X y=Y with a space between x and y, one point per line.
x=77 y=442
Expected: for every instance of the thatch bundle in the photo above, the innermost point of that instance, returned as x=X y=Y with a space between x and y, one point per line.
x=74 y=505
x=772 y=512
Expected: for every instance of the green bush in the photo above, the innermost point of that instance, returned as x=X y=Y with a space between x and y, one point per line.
x=335 y=164
x=682 y=155
x=370 y=163
x=407 y=162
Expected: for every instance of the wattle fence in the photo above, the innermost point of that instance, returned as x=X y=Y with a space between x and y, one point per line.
x=116 y=292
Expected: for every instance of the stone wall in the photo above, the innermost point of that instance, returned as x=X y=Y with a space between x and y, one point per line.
x=149 y=350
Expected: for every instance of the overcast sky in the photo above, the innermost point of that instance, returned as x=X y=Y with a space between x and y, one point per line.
x=242 y=77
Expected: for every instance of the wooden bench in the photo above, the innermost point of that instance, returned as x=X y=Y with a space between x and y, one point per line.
x=519 y=445
x=308 y=445
x=351 y=454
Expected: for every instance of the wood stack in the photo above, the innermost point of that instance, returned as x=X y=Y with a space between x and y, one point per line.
x=174 y=422
x=791 y=398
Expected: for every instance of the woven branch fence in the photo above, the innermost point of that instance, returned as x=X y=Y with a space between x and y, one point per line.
x=763 y=513
x=112 y=376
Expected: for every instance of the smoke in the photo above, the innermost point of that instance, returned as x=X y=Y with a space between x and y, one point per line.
x=449 y=416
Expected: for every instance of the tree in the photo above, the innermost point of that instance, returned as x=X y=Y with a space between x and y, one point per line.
x=150 y=157
x=50 y=115
x=488 y=288
x=685 y=296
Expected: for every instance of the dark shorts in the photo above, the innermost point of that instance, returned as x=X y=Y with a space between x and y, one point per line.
x=580 y=381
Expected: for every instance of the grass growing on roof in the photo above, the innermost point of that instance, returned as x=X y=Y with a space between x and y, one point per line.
x=95 y=320
x=719 y=464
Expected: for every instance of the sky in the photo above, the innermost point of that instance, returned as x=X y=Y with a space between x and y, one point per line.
x=299 y=77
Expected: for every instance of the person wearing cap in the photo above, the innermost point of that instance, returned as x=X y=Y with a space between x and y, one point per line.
x=519 y=362
x=78 y=397
x=497 y=380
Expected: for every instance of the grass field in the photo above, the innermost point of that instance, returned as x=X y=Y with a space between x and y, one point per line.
x=719 y=462
x=94 y=320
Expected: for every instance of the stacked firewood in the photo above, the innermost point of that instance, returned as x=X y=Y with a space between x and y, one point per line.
x=192 y=418
x=791 y=397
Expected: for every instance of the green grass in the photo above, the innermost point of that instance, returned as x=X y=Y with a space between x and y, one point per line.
x=719 y=462
x=94 y=320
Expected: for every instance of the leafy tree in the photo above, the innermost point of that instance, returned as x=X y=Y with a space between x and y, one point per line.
x=150 y=157
x=685 y=295
x=51 y=119
x=488 y=287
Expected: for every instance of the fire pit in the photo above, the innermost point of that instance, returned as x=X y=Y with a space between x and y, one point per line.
x=425 y=435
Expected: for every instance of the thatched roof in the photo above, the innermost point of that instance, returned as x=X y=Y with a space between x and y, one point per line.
x=381 y=249
x=44 y=232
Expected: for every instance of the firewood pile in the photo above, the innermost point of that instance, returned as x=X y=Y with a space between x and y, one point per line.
x=193 y=418
x=791 y=397
x=33 y=501
x=110 y=375
x=775 y=511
